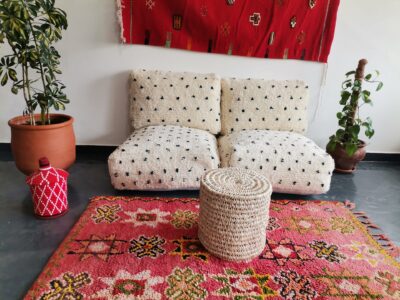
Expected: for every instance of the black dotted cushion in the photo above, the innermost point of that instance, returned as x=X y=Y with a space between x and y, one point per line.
x=170 y=98
x=293 y=163
x=163 y=158
x=264 y=104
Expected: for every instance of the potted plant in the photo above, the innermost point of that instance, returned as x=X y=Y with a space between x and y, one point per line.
x=28 y=30
x=345 y=146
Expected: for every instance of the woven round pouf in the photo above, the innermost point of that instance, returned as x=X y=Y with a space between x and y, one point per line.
x=234 y=210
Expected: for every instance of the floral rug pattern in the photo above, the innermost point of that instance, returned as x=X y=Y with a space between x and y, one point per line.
x=147 y=248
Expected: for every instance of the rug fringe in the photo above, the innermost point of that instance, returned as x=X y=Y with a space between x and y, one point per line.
x=349 y=204
x=382 y=239
x=360 y=213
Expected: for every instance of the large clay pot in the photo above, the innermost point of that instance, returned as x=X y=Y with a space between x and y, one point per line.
x=55 y=141
x=345 y=163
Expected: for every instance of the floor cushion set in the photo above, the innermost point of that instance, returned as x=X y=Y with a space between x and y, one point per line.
x=185 y=124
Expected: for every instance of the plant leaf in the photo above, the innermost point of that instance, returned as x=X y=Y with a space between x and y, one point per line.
x=331 y=145
x=13 y=74
x=350 y=149
x=355 y=130
x=14 y=90
x=369 y=132
x=4 y=79
x=345 y=95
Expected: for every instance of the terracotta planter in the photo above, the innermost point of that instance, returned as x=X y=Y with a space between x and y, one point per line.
x=343 y=162
x=55 y=141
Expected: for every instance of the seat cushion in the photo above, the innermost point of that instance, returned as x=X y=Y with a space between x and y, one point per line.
x=163 y=158
x=293 y=163
x=264 y=104
x=172 y=98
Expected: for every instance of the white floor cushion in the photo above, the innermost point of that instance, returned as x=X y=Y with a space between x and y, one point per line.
x=250 y=104
x=175 y=98
x=164 y=157
x=293 y=163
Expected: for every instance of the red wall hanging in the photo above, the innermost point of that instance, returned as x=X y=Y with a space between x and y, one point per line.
x=288 y=29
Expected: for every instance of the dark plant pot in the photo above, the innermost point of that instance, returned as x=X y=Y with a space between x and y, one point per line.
x=55 y=141
x=344 y=163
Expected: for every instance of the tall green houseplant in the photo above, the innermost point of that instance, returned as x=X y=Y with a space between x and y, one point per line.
x=30 y=28
x=353 y=96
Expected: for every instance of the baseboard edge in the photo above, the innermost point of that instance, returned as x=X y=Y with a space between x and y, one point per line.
x=101 y=153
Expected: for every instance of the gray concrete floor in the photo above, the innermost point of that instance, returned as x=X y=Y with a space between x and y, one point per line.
x=26 y=243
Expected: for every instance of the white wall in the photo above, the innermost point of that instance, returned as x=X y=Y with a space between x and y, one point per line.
x=96 y=67
x=366 y=29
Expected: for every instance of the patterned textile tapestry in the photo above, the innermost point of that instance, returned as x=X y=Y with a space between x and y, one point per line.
x=147 y=248
x=289 y=29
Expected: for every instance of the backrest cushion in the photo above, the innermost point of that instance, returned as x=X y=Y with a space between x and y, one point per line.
x=171 y=98
x=264 y=104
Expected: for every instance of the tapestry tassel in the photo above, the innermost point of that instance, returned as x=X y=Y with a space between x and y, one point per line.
x=119 y=18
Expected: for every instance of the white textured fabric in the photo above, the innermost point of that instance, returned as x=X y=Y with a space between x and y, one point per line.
x=163 y=157
x=264 y=104
x=170 y=98
x=293 y=163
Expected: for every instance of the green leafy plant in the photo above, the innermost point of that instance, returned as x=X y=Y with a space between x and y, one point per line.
x=353 y=96
x=30 y=27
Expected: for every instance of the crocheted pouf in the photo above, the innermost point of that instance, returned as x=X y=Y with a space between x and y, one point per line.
x=234 y=211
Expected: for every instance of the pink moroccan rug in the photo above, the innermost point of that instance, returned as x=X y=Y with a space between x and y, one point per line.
x=147 y=248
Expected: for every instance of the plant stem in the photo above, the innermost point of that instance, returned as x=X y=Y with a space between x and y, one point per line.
x=28 y=85
x=26 y=89
x=43 y=116
x=27 y=95
x=358 y=78
x=354 y=105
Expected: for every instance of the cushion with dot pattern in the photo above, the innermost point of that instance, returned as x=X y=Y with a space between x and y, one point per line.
x=263 y=104
x=293 y=163
x=172 y=98
x=164 y=157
